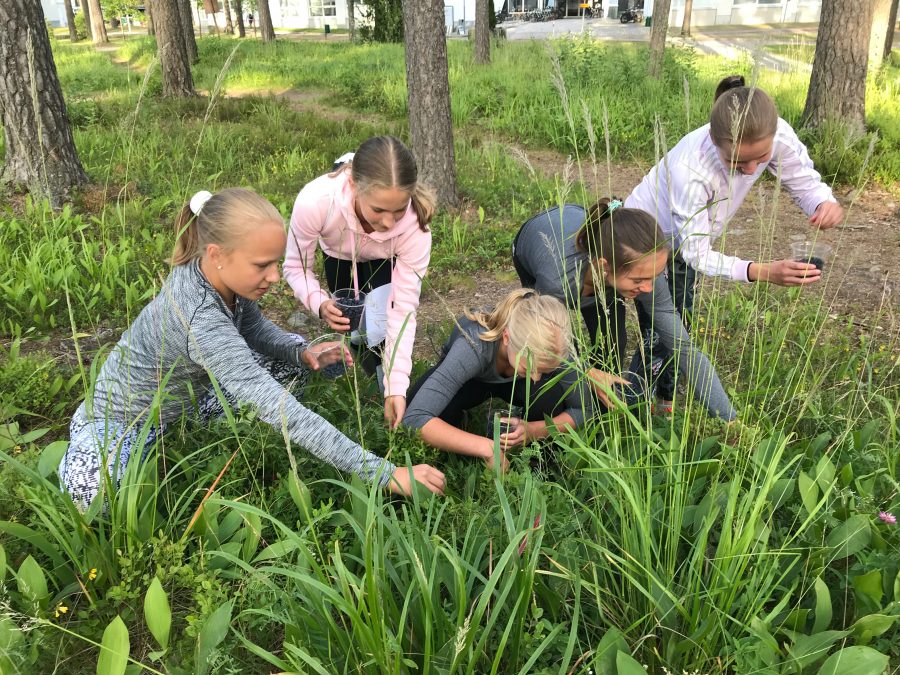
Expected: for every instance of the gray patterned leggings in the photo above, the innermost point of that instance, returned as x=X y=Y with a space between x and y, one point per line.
x=95 y=442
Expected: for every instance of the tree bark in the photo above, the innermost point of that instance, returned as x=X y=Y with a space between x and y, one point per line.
x=880 y=27
x=889 y=37
x=658 y=36
x=351 y=19
x=173 y=58
x=266 y=30
x=239 y=13
x=686 y=22
x=186 y=22
x=482 y=32
x=428 y=87
x=40 y=150
x=70 y=21
x=229 y=24
x=151 y=29
x=98 y=26
x=86 y=8
x=837 y=87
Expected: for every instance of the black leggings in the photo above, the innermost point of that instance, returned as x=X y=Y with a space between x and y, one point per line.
x=371 y=274
x=543 y=401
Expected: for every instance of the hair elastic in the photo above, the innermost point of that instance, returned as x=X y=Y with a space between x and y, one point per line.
x=199 y=200
x=613 y=205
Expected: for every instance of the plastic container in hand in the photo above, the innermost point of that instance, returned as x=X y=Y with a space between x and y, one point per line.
x=506 y=426
x=812 y=253
x=337 y=368
x=351 y=303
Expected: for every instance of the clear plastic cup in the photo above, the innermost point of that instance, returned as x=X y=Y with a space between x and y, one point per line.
x=351 y=303
x=812 y=253
x=512 y=412
x=337 y=368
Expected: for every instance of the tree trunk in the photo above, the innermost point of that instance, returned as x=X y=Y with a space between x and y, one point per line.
x=151 y=29
x=98 y=27
x=889 y=37
x=428 y=87
x=173 y=58
x=239 y=13
x=658 y=36
x=229 y=25
x=482 y=31
x=70 y=21
x=837 y=87
x=40 y=150
x=86 y=8
x=186 y=22
x=881 y=26
x=686 y=22
x=351 y=19
x=266 y=30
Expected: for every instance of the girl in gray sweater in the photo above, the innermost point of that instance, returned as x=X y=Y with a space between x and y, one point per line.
x=205 y=329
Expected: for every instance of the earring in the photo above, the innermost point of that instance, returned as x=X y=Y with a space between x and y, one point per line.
x=218 y=267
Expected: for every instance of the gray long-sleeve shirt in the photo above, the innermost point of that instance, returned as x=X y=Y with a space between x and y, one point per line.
x=466 y=357
x=186 y=335
x=546 y=248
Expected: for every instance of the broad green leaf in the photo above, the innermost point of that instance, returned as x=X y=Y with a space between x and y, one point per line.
x=897 y=588
x=869 y=585
x=2 y=564
x=253 y=526
x=855 y=661
x=823 y=606
x=825 y=472
x=10 y=635
x=846 y=475
x=276 y=550
x=51 y=456
x=850 y=537
x=872 y=625
x=31 y=580
x=809 y=493
x=782 y=490
x=157 y=613
x=626 y=665
x=610 y=644
x=114 y=649
x=807 y=649
x=300 y=494
x=213 y=632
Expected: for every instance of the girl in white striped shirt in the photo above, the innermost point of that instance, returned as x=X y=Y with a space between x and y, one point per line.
x=700 y=184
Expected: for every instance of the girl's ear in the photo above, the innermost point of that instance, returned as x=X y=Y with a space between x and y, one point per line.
x=505 y=337
x=213 y=253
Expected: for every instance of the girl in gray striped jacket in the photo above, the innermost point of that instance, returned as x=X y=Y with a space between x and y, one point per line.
x=204 y=328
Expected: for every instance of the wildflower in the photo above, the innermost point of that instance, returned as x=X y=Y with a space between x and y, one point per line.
x=92 y=574
x=888 y=518
x=60 y=610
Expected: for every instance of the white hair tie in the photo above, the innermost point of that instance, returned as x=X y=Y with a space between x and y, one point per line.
x=199 y=200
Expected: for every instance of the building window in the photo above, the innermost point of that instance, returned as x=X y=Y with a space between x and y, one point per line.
x=323 y=7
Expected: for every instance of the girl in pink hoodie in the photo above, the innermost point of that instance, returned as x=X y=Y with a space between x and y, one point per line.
x=370 y=216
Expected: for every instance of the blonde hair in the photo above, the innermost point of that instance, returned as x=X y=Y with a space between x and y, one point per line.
x=741 y=114
x=538 y=326
x=385 y=162
x=224 y=219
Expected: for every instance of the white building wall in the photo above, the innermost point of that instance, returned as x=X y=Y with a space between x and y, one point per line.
x=54 y=11
x=717 y=12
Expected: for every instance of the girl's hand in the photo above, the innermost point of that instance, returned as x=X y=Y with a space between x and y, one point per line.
x=790 y=273
x=394 y=410
x=517 y=436
x=827 y=215
x=489 y=458
x=330 y=314
x=603 y=385
x=325 y=354
x=402 y=480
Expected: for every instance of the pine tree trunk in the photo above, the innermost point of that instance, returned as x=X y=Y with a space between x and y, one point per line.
x=229 y=25
x=98 y=27
x=428 y=86
x=880 y=28
x=70 y=21
x=173 y=58
x=686 y=22
x=889 y=37
x=186 y=21
x=351 y=19
x=239 y=13
x=151 y=29
x=482 y=31
x=266 y=30
x=86 y=8
x=40 y=150
x=837 y=87
x=658 y=36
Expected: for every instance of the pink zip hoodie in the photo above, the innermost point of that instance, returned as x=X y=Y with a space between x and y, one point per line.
x=324 y=215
